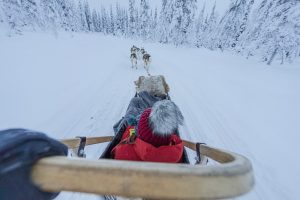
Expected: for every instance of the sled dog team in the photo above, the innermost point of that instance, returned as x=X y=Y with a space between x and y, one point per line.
x=138 y=54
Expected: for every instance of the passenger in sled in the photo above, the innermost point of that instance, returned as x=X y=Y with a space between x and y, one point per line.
x=151 y=132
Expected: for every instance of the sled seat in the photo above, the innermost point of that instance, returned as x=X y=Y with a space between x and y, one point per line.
x=155 y=85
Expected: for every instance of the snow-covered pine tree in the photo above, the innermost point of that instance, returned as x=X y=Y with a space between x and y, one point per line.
x=50 y=17
x=153 y=26
x=13 y=13
x=295 y=21
x=1 y=14
x=83 y=23
x=144 y=20
x=283 y=41
x=200 y=28
x=137 y=22
x=209 y=39
x=132 y=22
x=230 y=25
x=119 y=21
x=166 y=17
x=243 y=24
x=72 y=16
x=3 y=25
x=105 y=24
x=126 y=24
x=88 y=16
x=176 y=33
x=188 y=24
x=150 y=23
x=61 y=13
x=111 y=21
x=273 y=32
x=100 y=22
x=31 y=14
x=95 y=21
x=253 y=33
x=183 y=21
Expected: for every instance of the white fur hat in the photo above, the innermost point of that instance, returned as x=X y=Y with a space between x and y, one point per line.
x=165 y=118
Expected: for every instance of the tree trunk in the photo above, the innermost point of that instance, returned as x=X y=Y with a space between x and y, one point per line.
x=272 y=56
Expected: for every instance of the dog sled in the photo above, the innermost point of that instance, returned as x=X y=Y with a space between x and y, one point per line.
x=51 y=171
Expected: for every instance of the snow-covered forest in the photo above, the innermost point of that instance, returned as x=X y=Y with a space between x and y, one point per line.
x=233 y=70
x=268 y=30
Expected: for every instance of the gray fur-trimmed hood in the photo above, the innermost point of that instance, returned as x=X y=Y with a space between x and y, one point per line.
x=165 y=117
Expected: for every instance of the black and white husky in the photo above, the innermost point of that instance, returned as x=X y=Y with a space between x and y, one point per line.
x=133 y=49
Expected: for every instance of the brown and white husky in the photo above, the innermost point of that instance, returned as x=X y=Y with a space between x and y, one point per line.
x=147 y=61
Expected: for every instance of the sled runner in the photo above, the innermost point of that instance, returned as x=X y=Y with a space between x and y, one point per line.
x=43 y=169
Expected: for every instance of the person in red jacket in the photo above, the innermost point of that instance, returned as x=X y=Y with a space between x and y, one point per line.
x=154 y=139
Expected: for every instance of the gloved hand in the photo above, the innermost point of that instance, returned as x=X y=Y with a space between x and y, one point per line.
x=19 y=150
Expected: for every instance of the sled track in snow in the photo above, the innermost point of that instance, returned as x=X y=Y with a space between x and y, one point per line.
x=107 y=105
x=108 y=112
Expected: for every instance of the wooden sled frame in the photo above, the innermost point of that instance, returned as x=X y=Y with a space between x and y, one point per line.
x=231 y=178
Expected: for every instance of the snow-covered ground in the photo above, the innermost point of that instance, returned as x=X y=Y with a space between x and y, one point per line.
x=81 y=84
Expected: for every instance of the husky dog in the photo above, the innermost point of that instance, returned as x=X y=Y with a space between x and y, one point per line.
x=138 y=53
x=147 y=60
x=133 y=59
x=142 y=52
x=133 y=49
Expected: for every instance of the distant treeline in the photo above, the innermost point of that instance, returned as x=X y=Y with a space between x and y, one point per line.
x=270 y=31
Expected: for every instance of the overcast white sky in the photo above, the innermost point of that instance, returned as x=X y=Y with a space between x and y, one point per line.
x=222 y=5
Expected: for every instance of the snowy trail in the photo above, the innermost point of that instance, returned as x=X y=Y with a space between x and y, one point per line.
x=81 y=85
x=209 y=124
x=206 y=120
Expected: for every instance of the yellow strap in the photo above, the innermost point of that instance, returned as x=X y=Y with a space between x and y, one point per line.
x=131 y=132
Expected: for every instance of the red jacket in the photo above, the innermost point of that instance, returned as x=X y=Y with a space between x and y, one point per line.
x=138 y=150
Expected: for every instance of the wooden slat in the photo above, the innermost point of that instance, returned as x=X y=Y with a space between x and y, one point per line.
x=148 y=180
x=74 y=143
x=215 y=154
